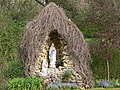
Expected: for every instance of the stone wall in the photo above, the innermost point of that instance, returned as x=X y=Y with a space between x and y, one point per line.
x=63 y=58
x=67 y=59
x=56 y=75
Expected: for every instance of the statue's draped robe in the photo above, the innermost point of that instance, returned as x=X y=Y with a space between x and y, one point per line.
x=44 y=68
x=52 y=56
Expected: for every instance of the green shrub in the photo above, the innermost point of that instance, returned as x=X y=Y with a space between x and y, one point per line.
x=116 y=82
x=98 y=64
x=24 y=10
x=14 y=69
x=29 y=83
x=13 y=18
x=67 y=75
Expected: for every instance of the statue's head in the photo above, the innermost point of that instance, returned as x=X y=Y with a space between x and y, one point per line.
x=53 y=45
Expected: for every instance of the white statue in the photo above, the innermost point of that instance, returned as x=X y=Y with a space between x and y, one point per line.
x=44 y=68
x=52 y=56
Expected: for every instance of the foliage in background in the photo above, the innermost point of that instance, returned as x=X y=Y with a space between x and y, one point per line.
x=29 y=83
x=14 y=14
x=14 y=69
x=105 y=14
x=99 y=65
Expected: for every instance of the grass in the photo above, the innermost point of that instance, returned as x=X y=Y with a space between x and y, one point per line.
x=88 y=89
x=104 y=89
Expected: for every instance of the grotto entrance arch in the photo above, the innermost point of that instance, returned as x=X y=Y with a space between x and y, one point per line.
x=54 y=37
x=62 y=57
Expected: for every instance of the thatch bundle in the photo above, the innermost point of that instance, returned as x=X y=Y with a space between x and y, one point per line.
x=37 y=32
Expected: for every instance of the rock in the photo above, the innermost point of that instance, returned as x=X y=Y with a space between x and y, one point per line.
x=46 y=81
x=70 y=62
x=65 y=64
x=37 y=73
x=65 y=47
x=81 y=88
x=65 y=57
x=61 y=68
x=64 y=53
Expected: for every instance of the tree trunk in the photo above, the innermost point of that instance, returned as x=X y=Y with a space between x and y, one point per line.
x=107 y=70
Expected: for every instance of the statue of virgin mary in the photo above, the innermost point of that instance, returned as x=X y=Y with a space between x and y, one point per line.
x=52 y=56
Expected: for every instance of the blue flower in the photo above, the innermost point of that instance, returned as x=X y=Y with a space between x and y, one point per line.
x=104 y=84
x=61 y=85
x=72 y=85
x=49 y=86
x=55 y=86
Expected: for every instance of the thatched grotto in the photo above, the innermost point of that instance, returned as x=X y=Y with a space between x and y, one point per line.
x=53 y=26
